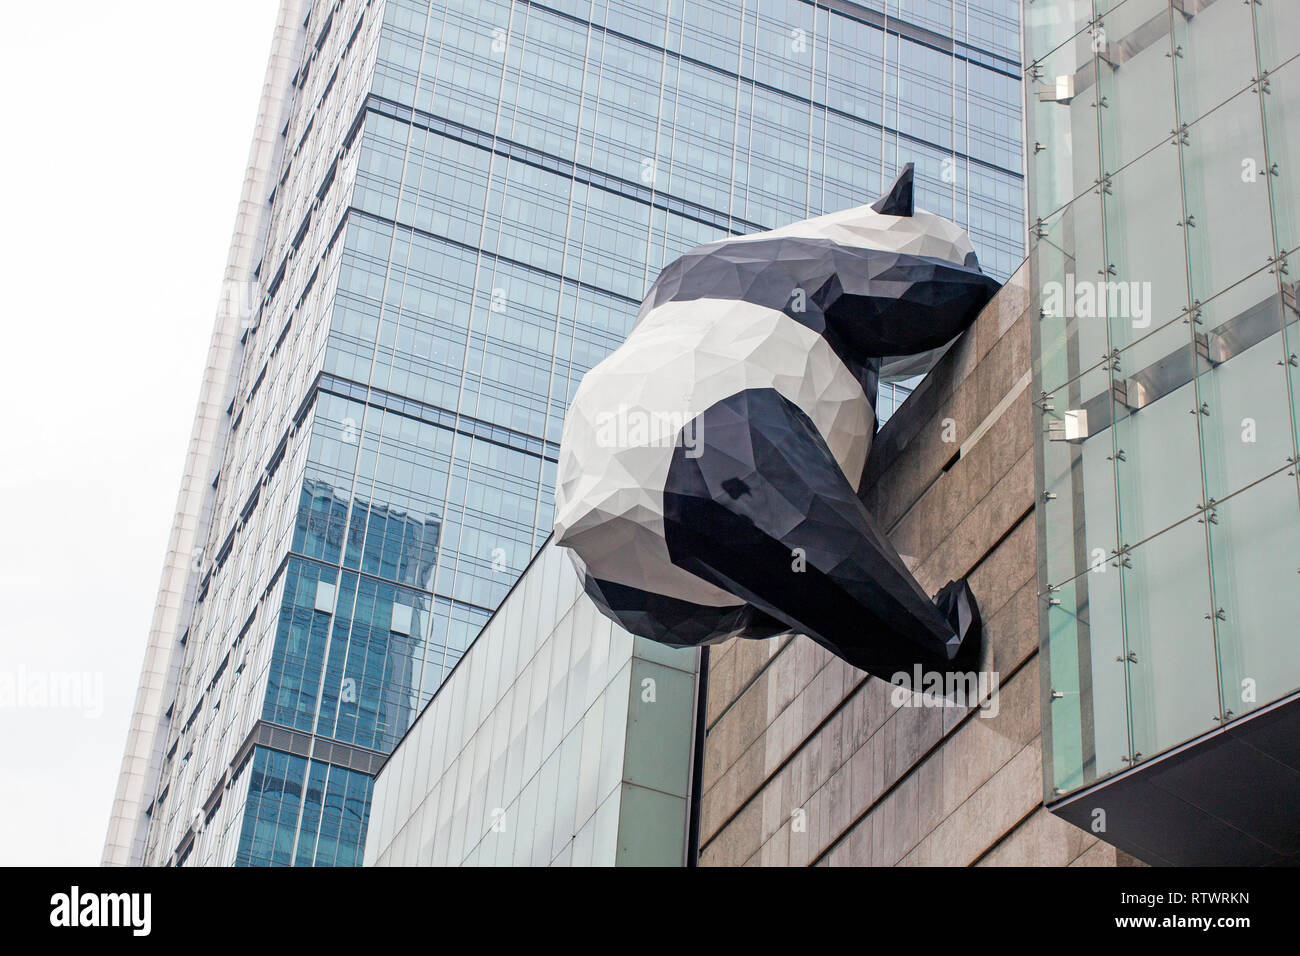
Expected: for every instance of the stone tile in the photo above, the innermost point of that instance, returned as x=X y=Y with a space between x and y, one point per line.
x=895 y=824
x=962 y=359
x=981 y=528
x=862 y=781
x=927 y=526
x=735 y=731
x=776 y=809
x=866 y=711
x=738 y=784
x=737 y=841
x=917 y=466
x=839 y=803
x=1099 y=854
x=1010 y=436
x=731 y=672
x=917 y=729
x=717 y=803
x=929 y=809
x=987 y=815
x=776 y=851
x=997 y=371
x=780 y=780
x=860 y=841
x=1008 y=305
x=804 y=843
x=1040 y=840
x=839 y=855
x=805 y=770
x=885 y=750
x=1006 y=570
x=978 y=748
x=1013 y=629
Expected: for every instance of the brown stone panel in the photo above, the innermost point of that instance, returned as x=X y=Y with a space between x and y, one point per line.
x=980 y=821
x=1099 y=854
x=979 y=530
x=956 y=492
x=742 y=840
x=835 y=782
x=910 y=452
x=1013 y=630
x=890 y=494
x=982 y=745
x=784 y=704
x=1005 y=570
x=736 y=729
x=895 y=445
x=721 y=801
x=1007 y=306
x=1040 y=840
x=733 y=666
x=841 y=787
x=970 y=754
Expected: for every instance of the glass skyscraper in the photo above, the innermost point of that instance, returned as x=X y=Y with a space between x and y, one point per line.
x=452 y=211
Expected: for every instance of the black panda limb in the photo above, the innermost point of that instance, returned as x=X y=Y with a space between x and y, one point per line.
x=677 y=623
x=757 y=505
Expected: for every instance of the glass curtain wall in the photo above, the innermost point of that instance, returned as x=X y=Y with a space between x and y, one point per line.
x=1164 y=207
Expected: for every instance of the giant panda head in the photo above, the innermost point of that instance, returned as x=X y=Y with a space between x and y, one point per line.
x=895 y=284
x=917 y=267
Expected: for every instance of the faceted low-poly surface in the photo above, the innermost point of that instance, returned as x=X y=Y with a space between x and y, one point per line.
x=709 y=467
x=765 y=514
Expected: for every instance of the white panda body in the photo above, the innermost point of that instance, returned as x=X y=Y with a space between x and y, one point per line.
x=630 y=409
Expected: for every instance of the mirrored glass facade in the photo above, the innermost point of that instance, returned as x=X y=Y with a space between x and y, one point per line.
x=560 y=740
x=1164 y=208
x=461 y=208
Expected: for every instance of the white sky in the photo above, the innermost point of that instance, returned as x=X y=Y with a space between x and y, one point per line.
x=127 y=128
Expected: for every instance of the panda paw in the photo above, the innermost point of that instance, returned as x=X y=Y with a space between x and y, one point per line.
x=956 y=603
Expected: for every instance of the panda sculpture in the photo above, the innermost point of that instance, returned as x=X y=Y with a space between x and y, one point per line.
x=709 y=467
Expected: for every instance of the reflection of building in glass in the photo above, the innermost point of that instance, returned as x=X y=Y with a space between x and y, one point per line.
x=376 y=631
x=891 y=396
x=452 y=210
x=1165 y=226
x=346 y=666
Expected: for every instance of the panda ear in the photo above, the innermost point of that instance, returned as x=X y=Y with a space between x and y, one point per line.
x=898 y=200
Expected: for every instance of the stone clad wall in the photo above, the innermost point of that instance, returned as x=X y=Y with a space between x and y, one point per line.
x=806 y=759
